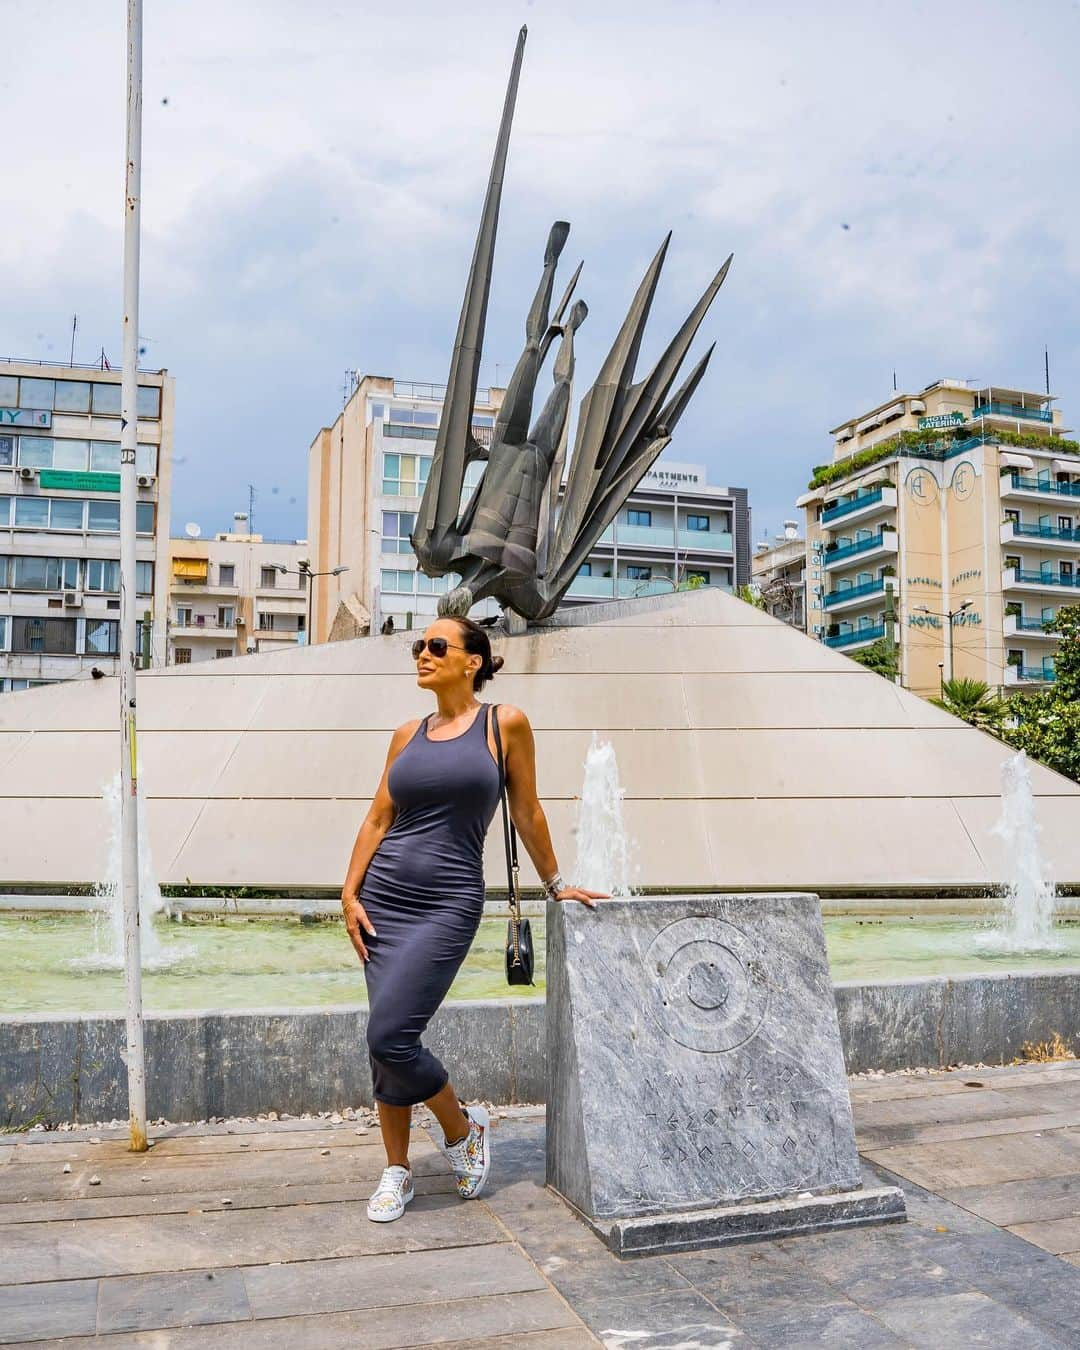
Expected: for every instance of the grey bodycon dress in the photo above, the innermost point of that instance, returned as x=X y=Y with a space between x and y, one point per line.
x=424 y=894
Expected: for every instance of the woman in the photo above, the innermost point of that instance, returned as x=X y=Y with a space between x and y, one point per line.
x=414 y=892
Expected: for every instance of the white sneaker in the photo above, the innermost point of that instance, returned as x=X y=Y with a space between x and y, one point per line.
x=471 y=1157
x=392 y=1194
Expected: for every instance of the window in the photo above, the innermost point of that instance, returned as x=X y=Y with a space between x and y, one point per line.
x=697 y=522
x=182 y=656
x=148 y=401
x=397 y=583
x=7 y=451
x=377 y=411
x=103 y=516
x=70 y=455
x=52 y=636
x=431 y=585
x=144 y=518
x=36 y=393
x=396 y=528
x=45 y=574
x=66 y=513
x=410 y=433
x=105 y=456
x=5 y=510
x=106 y=399
x=35 y=452
x=413 y=417
x=72 y=396
x=221 y=652
x=636 y=573
x=301 y=622
x=226 y=574
x=638 y=517
x=1012 y=560
x=1012 y=515
x=9 y=391
x=103 y=574
x=103 y=636
x=32 y=512
x=585 y=570
x=3 y=632
x=144 y=577
x=266 y=622
x=1065 y=570
x=405 y=475
x=268 y=577
x=145 y=458
x=698 y=572
x=226 y=616
x=1065 y=524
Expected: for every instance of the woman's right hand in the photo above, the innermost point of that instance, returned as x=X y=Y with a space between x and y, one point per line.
x=357 y=924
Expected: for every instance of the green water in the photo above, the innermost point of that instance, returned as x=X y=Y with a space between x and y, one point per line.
x=263 y=963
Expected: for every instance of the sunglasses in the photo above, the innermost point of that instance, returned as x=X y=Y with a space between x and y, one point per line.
x=437 y=646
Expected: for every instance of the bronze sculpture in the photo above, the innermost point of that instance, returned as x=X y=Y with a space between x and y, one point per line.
x=512 y=539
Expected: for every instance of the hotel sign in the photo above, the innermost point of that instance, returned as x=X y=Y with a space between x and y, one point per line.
x=953 y=419
x=25 y=417
x=72 y=480
x=672 y=475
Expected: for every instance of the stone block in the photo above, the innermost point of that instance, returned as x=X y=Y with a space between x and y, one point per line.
x=696 y=1082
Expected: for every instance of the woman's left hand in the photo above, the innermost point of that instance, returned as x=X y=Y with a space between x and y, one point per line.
x=577 y=893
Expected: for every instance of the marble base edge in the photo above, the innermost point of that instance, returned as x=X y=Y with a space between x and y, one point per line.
x=692 y=1230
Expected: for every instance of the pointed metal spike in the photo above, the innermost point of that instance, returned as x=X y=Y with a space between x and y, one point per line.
x=442 y=497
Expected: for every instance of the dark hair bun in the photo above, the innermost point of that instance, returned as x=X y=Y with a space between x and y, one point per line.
x=494 y=666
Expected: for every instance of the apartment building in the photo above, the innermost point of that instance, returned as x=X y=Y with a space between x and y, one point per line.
x=366 y=478
x=778 y=573
x=235 y=594
x=965 y=501
x=60 y=519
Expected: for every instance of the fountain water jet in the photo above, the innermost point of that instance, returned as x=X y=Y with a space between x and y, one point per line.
x=108 y=950
x=1027 y=921
x=603 y=846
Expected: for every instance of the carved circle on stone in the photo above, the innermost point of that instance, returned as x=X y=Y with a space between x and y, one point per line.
x=706 y=984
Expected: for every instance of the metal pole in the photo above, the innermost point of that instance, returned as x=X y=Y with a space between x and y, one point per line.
x=129 y=828
x=951 y=612
x=310 y=578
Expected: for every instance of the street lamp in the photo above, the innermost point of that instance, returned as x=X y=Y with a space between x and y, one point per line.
x=303 y=569
x=949 y=615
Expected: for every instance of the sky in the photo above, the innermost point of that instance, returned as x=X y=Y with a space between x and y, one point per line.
x=898 y=182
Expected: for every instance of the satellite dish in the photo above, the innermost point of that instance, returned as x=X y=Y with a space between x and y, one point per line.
x=192 y=530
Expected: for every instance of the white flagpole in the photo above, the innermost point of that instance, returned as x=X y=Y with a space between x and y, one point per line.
x=129 y=801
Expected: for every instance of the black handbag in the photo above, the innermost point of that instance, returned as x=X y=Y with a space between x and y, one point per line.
x=519 y=947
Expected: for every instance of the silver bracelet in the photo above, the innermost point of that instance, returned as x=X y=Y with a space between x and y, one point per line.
x=553 y=886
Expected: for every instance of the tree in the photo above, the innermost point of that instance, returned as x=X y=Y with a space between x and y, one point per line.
x=975 y=702
x=880 y=657
x=1047 y=723
x=751 y=595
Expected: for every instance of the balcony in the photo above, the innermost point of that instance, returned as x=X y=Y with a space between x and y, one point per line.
x=603 y=588
x=201 y=586
x=202 y=627
x=1020 y=579
x=663 y=537
x=875 y=545
x=1016 y=624
x=1015 y=484
x=1028 y=675
x=1049 y=536
x=844 y=596
x=857 y=637
x=1013 y=412
x=862 y=506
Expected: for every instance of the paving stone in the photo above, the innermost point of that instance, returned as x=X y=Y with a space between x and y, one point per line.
x=565 y=1338
x=32 y=1311
x=190 y=1298
x=683 y=1318
x=963 y=1320
x=108 y=1207
x=838 y=1325
x=375 y=1281
x=1072 y=1257
x=1013 y=1202
x=253 y=1237
x=974 y=1162
x=889 y=1136
x=509 y=1316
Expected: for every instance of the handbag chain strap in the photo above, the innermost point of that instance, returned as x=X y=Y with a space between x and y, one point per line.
x=509 y=838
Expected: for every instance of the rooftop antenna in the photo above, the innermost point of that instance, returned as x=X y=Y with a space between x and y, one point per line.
x=894 y=381
x=74 y=325
x=1046 y=362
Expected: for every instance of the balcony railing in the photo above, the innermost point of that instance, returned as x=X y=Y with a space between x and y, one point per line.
x=1044 y=578
x=1013 y=410
x=1020 y=483
x=604 y=588
x=878 y=540
x=855 y=504
x=868 y=634
x=1023 y=625
x=1034 y=673
x=1046 y=532
x=854 y=592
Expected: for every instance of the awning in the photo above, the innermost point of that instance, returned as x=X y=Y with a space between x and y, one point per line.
x=808 y=498
x=897 y=410
x=868 y=423
x=1066 y=465
x=1011 y=460
x=190 y=569
x=845 y=434
x=917 y=405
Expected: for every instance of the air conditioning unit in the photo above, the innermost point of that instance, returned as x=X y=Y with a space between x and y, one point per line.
x=26 y=473
x=72 y=599
x=252 y=650
x=146 y=480
x=240 y=621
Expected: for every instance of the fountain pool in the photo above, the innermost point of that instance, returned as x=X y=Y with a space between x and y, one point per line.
x=260 y=963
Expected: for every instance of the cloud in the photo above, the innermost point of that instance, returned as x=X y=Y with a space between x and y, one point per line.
x=313 y=182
